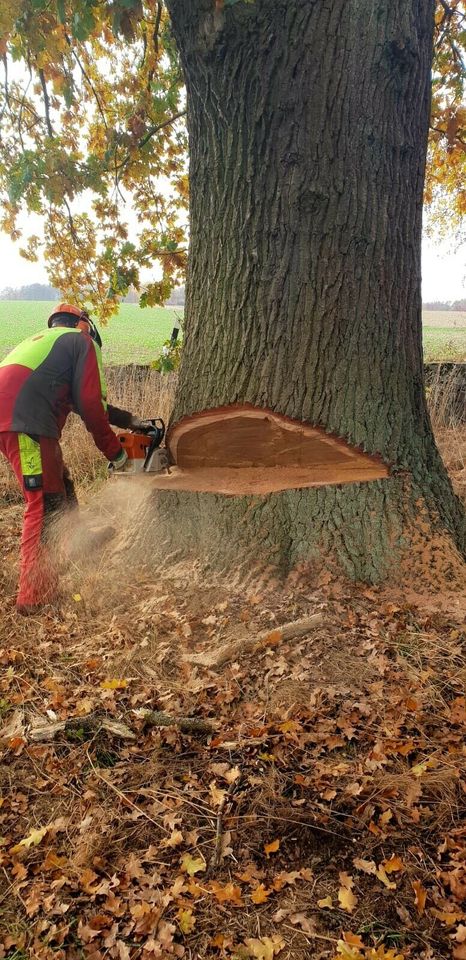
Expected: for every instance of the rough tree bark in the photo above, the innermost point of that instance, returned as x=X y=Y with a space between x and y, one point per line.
x=308 y=124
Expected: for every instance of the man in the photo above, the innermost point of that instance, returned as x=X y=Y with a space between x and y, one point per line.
x=42 y=380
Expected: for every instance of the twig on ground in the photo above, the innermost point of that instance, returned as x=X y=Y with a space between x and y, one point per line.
x=270 y=638
x=155 y=718
x=217 y=854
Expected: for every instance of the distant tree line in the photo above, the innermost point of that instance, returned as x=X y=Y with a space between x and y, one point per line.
x=43 y=291
x=445 y=305
x=177 y=297
x=33 y=291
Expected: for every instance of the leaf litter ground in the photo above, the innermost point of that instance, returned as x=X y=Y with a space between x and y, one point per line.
x=323 y=817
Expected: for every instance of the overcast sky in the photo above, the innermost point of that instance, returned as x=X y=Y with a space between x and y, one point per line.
x=443 y=270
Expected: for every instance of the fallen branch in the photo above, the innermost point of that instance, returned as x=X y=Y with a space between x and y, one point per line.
x=154 y=718
x=270 y=638
x=80 y=728
x=84 y=728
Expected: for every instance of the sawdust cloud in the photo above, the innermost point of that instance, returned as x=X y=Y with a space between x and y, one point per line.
x=95 y=541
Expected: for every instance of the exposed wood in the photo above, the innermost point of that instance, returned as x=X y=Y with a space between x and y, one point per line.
x=242 y=449
x=14 y=727
x=258 y=481
x=270 y=638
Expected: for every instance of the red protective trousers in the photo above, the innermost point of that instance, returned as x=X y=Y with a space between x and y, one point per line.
x=38 y=577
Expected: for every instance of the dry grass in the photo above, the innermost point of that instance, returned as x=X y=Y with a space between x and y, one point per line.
x=446 y=396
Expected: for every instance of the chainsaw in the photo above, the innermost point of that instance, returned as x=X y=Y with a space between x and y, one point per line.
x=144 y=450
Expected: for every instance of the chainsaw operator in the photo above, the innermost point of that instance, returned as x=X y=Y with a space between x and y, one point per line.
x=53 y=373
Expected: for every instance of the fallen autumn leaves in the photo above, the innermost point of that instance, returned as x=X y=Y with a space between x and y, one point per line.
x=324 y=818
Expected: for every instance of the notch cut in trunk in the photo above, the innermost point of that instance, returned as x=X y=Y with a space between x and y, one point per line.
x=242 y=449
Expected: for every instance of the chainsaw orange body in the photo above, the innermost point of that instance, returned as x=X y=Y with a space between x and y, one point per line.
x=137 y=447
x=145 y=455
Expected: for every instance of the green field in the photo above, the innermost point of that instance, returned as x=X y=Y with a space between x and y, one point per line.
x=136 y=336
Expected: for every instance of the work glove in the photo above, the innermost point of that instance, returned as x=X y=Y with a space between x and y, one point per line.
x=120 y=460
x=142 y=425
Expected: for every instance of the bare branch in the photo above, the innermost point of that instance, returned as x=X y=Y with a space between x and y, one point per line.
x=23 y=106
x=88 y=81
x=153 y=130
x=145 y=139
x=448 y=10
x=71 y=221
x=7 y=90
x=155 y=41
x=46 y=103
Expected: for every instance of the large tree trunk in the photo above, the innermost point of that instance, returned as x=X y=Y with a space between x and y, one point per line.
x=308 y=125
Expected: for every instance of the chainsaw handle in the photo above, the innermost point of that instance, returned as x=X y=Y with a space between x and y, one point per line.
x=156 y=425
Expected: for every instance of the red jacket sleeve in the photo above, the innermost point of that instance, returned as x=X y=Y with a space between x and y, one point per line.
x=88 y=393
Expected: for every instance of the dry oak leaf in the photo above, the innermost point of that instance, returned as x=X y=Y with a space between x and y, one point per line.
x=266 y=948
x=353 y=953
x=382 y=876
x=366 y=866
x=260 y=894
x=459 y=953
x=173 y=840
x=218 y=795
x=271 y=847
x=325 y=903
x=114 y=684
x=445 y=916
x=186 y=921
x=290 y=726
x=283 y=879
x=192 y=865
x=370 y=867
x=393 y=865
x=218 y=941
x=230 y=893
x=250 y=873
x=303 y=922
x=53 y=862
x=420 y=894
x=232 y=774
x=32 y=840
x=353 y=939
x=347 y=898
x=385 y=817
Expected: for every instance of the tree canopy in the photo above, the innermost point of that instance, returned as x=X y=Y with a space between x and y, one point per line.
x=93 y=141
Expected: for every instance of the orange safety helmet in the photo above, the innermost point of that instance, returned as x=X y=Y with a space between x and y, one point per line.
x=66 y=314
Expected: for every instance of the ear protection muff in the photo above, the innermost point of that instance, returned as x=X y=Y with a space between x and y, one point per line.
x=84 y=324
x=93 y=332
